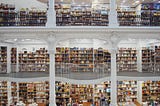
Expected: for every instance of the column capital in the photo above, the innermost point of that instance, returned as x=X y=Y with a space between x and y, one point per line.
x=114 y=41
x=51 y=41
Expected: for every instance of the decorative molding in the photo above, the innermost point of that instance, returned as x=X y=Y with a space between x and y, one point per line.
x=74 y=81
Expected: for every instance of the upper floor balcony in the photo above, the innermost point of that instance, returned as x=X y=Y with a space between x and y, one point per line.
x=80 y=13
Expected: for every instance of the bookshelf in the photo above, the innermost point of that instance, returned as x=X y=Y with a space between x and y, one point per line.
x=13 y=59
x=81 y=17
x=7 y=15
x=34 y=61
x=127 y=18
x=30 y=92
x=150 y=14
x=102 y=60
x=105 y=89
x=3 y=93
x=81 y=93
x=151 y=92
x=62 y=93
x=63 y=14
x=62 y=58
x=24 y=17
x=83 y=58
x=147 y=59
x=3 y=59
x=157 y=59
x=14 y=91
x=127 y=91
x=127 y=59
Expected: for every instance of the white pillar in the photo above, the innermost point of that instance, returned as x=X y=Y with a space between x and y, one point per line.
x=52 y=49
x=139 y=57
x=8 y=59
x=114 y=40
x=113 y=79
x=9 y=93
x=17 y=60
x=17 y=91
x=113 y=20
x=139 y=91
x=51 y=15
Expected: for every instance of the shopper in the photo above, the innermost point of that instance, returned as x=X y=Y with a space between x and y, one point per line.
x=102 y=98
x=75 y=104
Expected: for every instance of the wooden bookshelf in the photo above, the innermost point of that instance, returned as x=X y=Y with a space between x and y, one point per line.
x=13 y=59
x=127 y=59
x=62 y=93
x=3 y=93
x=7 y=15
x=157 y=59
x=81 y=93
x=63 y=15
x=102 y=60
x=127 y=18
x=62 y=58
x=83 y=58
x=3 y=59
x=34 y=61
x=105 y=89
x=10 y=17
x=150 y=14
x=127 y=91
x=151 y=91
x=14 y=91
x=147 y=60
x=30 y=92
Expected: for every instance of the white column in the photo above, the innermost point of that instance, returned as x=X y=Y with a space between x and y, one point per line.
x=17 y=60
x=114 y=41
x=51 y=15
x=113 y=79
x=9 y=93
x=113 y=20
x=139 y=57
x=139 y=91
x=8 y=59
x=52 y=49
x=17 y=91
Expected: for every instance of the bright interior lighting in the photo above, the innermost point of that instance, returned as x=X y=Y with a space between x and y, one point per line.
x=15 y=39
x=136 y=2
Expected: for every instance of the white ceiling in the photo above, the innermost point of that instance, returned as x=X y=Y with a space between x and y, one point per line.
x=42 y=4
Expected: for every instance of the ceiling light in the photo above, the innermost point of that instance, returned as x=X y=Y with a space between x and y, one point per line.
x=28 y=39
x=15 y=39
x=136 y=2
x=22 y=40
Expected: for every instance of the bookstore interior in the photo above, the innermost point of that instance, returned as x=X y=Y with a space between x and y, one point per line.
x=79 y=53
